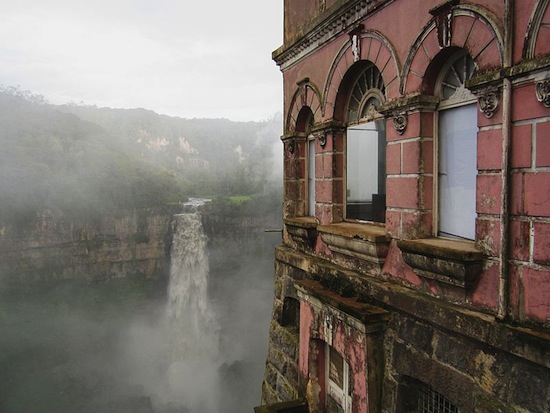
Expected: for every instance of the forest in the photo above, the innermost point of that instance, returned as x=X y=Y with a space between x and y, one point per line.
x=87 y=195
x=87 y=161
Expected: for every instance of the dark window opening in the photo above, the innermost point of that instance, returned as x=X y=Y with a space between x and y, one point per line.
x=290 y=316
x=418 y=397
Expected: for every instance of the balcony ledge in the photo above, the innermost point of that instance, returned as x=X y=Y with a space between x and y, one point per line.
x=292 y=406
x=363 y=241
x=302 y=229
x=455 y=262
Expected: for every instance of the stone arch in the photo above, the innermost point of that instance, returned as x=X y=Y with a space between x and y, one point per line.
x=538 y=30
x=374 y=48
x=306 y=96
x=473 y=30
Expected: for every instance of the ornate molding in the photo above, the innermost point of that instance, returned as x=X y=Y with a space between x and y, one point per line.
x=339 y=20
x=322 y=139
x=443 y=15
x=422 y=103
x=302 y=91
x=542 y=90
x=400 y=122
x=355 y=38
x=291 y=146
x=488 y=103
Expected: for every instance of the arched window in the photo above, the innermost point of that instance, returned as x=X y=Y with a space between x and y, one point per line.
x=366 y=149
x=457 y=150
x=304 y=124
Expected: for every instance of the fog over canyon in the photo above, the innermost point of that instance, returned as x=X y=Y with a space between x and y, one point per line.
x=118 y=294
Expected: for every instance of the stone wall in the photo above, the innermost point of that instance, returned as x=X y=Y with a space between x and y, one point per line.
x=480 y=365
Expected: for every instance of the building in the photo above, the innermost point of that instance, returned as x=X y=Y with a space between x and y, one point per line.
x=414 y=273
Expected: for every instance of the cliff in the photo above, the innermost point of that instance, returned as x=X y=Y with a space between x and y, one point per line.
x=53 y=247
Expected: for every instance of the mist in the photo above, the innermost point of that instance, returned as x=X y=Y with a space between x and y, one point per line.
x=84 y=336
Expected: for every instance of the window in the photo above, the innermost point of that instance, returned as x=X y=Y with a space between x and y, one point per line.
x=457 y=153
x=311 y=175
x=290 y=316
x=417 y=397
x=337 y=383
x=366 y=149
x=430 y=401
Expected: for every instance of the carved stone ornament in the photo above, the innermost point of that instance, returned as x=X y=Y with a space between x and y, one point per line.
x=291 y=145
x=444 y=22
x=322 y=139
x=488 y=103
x=444 y=29
x=303 y=94
x=542 y=89
x=400 y=122
x=356 y=47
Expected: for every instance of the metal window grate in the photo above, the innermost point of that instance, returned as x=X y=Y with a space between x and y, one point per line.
x=430 y=401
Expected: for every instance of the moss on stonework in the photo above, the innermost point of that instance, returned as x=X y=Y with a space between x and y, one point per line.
x=339 y=285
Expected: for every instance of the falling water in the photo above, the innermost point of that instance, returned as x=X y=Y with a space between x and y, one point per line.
x=193 y=332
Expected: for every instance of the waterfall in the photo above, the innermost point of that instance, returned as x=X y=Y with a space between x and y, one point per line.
x=193 y=331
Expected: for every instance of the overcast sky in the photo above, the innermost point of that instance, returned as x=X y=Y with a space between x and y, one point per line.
x=205 y=58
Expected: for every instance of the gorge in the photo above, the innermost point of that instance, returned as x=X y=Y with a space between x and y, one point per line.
x=89 y=231
x=142 y=341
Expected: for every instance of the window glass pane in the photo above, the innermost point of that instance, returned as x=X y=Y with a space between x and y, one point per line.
x=457 y=171
x=311 y=177
x=366 y=172
x=336 y=368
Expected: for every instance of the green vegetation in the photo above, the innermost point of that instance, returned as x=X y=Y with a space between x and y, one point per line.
x=85 y=160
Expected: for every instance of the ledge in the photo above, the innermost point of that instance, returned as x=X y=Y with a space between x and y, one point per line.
x=302 y=229
x=373 y=318
x=521 y=341
x=453 y=262
x=367 y=242
x=292 y=406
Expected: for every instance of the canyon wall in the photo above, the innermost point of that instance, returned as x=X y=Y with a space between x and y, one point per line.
x=55 y=247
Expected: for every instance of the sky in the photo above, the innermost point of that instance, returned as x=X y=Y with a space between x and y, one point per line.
x=193 y=59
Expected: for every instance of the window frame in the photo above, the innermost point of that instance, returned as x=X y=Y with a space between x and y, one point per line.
x=364 y=113
x=332 y=389
x=311 y=144
x=465 y=98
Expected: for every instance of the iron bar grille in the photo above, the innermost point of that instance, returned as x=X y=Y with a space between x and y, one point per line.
x=430 y=401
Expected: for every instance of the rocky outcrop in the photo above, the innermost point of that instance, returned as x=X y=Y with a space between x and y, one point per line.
x=55 y=247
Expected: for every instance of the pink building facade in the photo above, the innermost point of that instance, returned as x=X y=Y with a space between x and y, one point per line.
x=414 y=274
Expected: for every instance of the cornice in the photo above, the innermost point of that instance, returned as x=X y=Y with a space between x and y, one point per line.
x=341 y=18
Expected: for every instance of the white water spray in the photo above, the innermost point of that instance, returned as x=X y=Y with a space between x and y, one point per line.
x=193 y=332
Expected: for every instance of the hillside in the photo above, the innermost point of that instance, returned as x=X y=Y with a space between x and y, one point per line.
x=89 y=160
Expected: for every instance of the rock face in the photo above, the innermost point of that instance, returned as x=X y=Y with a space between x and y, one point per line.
x=54 y=247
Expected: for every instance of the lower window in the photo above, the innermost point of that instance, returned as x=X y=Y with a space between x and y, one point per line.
x=338 y=387
x=418 y=397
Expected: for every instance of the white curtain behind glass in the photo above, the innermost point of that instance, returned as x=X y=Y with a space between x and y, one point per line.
x=311 y=177
x=457 y=171
x=362 y=162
